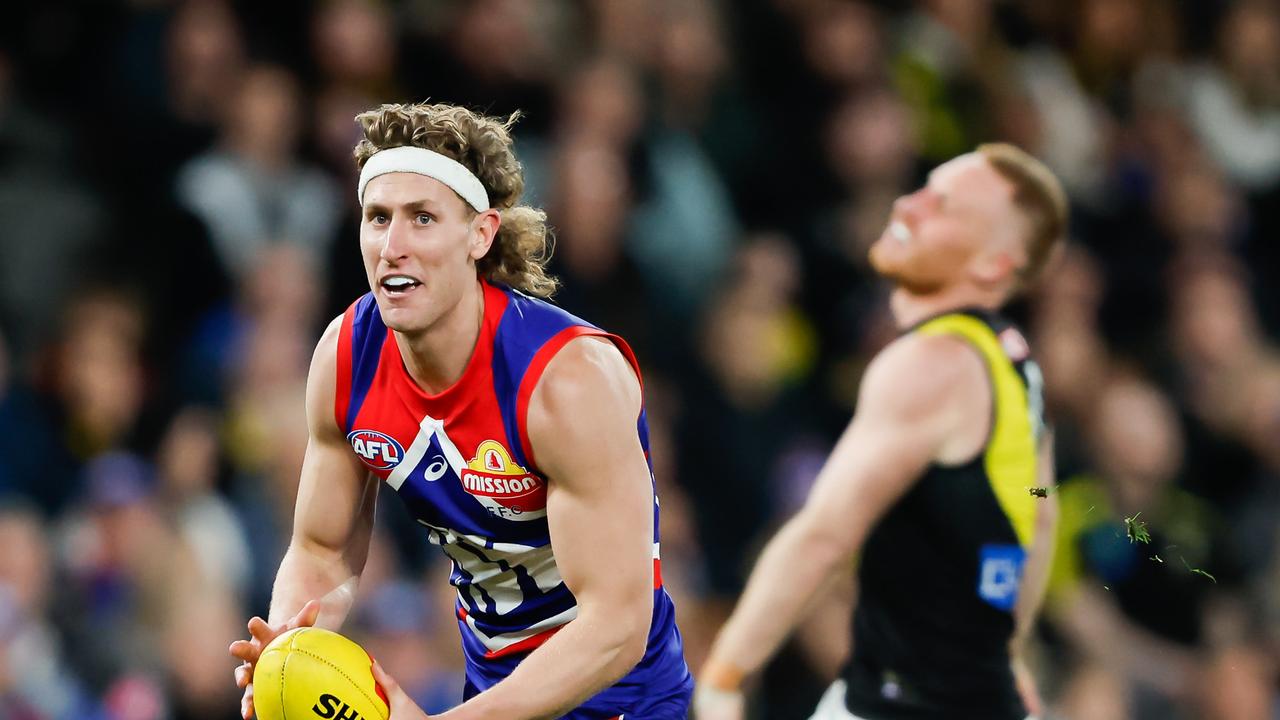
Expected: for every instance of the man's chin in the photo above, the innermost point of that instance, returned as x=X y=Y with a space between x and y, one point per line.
x=905 y=281
x=904 y=272
x=402 y=319
x=888 y=262
x=885 y=268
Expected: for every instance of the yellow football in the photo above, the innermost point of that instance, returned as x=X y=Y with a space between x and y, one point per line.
x=314 y=673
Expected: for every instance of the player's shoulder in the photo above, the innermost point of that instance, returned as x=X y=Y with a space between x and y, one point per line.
x=534 y=317
x=322 y=381
x=589 y=368
x=925 y=363
x=568 y=360
x=361 y=319
x=920 y=378
x=587 y=396
x=326 y=351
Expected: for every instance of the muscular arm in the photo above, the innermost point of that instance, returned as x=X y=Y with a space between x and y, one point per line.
x=582 y=425
x=332 y=523
x=333 y=518
x=912 y=400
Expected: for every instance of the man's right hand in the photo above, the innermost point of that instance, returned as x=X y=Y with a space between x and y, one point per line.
x=260 y=635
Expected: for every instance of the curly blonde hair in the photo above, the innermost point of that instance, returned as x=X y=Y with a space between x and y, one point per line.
x=523 y=245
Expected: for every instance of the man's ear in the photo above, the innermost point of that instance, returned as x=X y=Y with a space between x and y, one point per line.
x=484 y=230
x=995 y=269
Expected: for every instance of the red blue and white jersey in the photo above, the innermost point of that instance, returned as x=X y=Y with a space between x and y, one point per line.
x=462 y=462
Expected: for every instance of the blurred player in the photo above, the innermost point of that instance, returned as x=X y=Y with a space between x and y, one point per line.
x=933 y=489
x=514 y=432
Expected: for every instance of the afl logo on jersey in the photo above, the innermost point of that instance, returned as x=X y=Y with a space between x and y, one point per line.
x=379 y=451
x=504 y=488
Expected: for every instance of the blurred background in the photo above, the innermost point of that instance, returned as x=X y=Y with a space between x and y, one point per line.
x=177 y=224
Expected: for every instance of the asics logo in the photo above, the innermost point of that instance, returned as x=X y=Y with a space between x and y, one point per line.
x=436 y=469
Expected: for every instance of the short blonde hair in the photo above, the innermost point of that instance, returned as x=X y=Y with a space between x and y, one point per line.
x=483 y=145
x=1040 y=197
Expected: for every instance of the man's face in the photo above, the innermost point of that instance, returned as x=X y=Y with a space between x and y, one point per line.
x=956 y=227
x=420 y=242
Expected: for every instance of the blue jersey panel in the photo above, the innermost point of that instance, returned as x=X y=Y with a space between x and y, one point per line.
x=527 y=325
x=660 y=687
x=367 y=335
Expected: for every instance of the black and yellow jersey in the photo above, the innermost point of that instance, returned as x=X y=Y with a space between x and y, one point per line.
x=939 y=573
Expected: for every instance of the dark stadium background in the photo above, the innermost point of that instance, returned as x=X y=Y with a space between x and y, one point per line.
x=177 y=222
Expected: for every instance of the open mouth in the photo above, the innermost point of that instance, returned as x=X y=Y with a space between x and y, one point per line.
x=900 y=232
x=399 y=284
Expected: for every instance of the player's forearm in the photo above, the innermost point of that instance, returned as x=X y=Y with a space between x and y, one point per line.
x=592 y=652
x=309 y=574
x=790 y=572
x=1025 y=682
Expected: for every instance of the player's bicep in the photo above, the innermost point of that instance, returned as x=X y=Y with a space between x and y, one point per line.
x=335 y=493
x=906 y=409
x=335 y=498
x=582 y=424
x=870 y=468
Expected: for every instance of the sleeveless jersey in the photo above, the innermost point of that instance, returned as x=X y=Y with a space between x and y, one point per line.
x=462 y=463
x=939 y=574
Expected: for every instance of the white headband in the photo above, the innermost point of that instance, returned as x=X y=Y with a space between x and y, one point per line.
x=421 y=161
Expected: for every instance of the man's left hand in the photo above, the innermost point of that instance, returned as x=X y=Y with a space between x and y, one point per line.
x=401 y=705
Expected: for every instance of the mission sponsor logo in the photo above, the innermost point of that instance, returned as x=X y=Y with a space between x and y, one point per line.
x=506 y=489
x=378 y=450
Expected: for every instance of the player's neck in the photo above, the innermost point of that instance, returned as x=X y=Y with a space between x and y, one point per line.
x=437 y=357
x=910 y=309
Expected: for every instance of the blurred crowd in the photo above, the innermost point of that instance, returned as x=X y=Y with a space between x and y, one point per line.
x=177 y=223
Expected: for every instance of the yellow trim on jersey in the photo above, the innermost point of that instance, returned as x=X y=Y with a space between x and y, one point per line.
x=1010 y=454
x=1083 y=504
